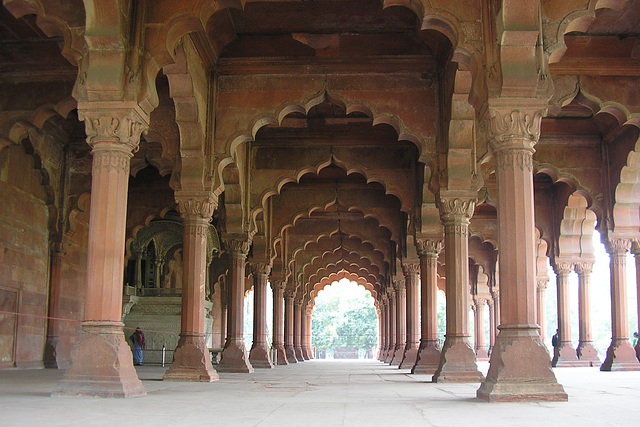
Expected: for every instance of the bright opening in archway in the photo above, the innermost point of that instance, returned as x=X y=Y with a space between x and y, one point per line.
x=344 y=322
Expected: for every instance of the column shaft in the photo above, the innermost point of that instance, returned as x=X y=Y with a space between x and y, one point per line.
x=101 y=361
x=297 y=329
x=458 y=360
x=540 y=305
x=278 y=323
x=289 y=323
x=234 y=356
x=51 y=358
x=479 y=326
x=429 y=352
x=621 y=356
x=520 y=367
x=401 y=322
x=391 y=327
x=259 y=354
x=191 y=359
x=586 y=351
x=564 y=354
x=412 y=279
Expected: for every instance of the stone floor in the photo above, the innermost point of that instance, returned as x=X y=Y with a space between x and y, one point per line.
x=319 y=393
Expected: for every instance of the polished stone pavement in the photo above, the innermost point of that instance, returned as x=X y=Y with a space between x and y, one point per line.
x=319 y=393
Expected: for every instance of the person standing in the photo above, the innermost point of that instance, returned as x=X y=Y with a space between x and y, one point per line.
x=137 y=338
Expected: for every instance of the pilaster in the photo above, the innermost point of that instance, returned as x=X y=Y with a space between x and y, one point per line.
x=541 y=290
x=480 y=345
x=259 y=354
x=621 y=356
x=458 y=360
x=101 y=361
x=234 y=356
x=191 y=359
x=520 y=365
x=297 y=329
x=383 y=328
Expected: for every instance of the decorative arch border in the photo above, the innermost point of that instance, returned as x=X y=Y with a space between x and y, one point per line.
x=343 y=274
x=577 y=20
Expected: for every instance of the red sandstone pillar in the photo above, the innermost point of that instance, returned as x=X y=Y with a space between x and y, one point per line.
x=391 y=327
x=307 y=348
x=520 y=366
x=429 y=352
x=234 y=356
x=297 y=329
x=259 y=354
x=586 y=351
x=289 y=327
x=412 y=279
x=401 y=321
x=278 y=322
x=621 y=356
x=635 y=248
x=51 y=359
x=191 y=359
x=383 y=328
x=541 y=290
x=565 y=355
x=481 y=346
x=458 y=360
x=101 y=362
x=492 y=324
x=495 y=294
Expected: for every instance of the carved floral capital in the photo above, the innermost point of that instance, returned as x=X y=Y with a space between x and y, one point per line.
x=583 y=267
x=618 y=246
x=198 y=204
x=411 y=268
x=107 y=127
x=456 y=208
x=511 y=127
x=238 y=248
x=261 y=268
x=429 y=247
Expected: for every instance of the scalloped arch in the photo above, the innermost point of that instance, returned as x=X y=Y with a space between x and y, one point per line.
x=578 y=20
x=576 y=229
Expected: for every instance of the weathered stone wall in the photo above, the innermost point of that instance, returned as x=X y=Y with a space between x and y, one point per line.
x=24 y=255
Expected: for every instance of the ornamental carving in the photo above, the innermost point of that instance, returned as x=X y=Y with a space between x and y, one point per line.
x=542 y=284
x=238 y=248
x=618 y=246
x=563 y=267
x=201 y=205
x=261 y=269
x=112 y=126
x=278 y=286
x=510 y=159
x=111 y=161
x=198 y=230
x=399 y=285
x=583 y=267
x=456 y=229
x=452 y=208
x=429 y=247
x=514 y=128
x=411 y=269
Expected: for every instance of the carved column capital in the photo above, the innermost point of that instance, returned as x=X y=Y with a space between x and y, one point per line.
x=237 y=247
x=399 y=285
x=391 y=293
x=411 y=268
x=456 y=210
x=515 y=126
x=429 y=247
x=583 y=267
x=618 y=246
x=278 y=285
x=261 y=268
x=542 y=283
x=196 y=204
x=109 y=126
x=562 y=267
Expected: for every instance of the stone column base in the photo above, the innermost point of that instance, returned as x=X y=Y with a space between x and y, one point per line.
x=482 y=354
x=428 y=358
x=101 y=364
x=298 y=353
x=520 y=369
x=409 y=359
x=234 y=358
x=457 y=363
x=587 y=353
x=191 y=361
x=398 y=353
x=281 y=355
x=291 y=354
x=620 y=357
x=259 y=357
x=389 y=357
x=565 y=357
x=306 y=354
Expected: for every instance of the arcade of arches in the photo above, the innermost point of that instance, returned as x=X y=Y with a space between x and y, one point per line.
x=159 y=158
